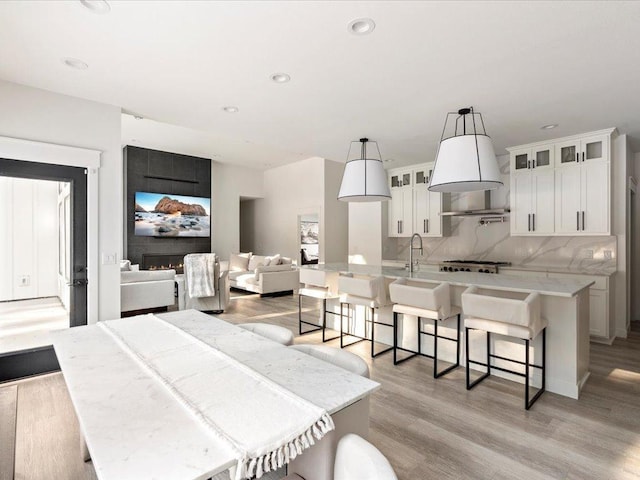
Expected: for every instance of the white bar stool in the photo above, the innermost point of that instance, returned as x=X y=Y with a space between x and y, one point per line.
x=369 y=292
x=411 y=297
x=509 y=317
x=275 y=333
x=320 y=285
x=341 y=358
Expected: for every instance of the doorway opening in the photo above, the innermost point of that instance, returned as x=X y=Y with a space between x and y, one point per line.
x=43 y=253
x=309 y=230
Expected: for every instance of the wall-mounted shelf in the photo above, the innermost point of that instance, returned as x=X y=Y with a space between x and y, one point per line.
x=160 y=177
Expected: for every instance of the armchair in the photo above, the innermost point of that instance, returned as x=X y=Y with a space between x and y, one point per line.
x=217 y=302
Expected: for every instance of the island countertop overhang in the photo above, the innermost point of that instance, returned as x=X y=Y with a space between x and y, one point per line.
x=512 y=283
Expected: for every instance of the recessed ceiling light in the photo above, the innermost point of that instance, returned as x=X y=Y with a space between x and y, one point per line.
x=75 y=63
x=231 y=109
x=280 y=77
x=97 y=6
x=549 y=127
x=361 y=26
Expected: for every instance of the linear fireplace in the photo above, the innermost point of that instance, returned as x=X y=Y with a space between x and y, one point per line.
x=163 y=261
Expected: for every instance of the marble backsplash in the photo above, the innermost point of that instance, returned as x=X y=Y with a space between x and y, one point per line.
x=471 y=241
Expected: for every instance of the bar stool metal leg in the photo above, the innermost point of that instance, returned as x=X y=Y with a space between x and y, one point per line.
x=437 y=374
x=373 y=328
x=470 y=385
x=324 y=322
x=300 y=321
x=528 y=403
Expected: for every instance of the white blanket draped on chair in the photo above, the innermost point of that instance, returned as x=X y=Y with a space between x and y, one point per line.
x=266 y=424
x=200 y=268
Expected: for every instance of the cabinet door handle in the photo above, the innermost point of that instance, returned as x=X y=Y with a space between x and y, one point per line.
x=424 y=226
x=583 y=220
x=427 y=225
x=528 y=222
x=533 y=221
x=534 y=163
x=578 y=157
x=398 y=226
x=583 y=160
x=578 y=221
x=528 y=164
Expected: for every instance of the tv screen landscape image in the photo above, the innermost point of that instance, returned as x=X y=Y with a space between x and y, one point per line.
x=166 y=215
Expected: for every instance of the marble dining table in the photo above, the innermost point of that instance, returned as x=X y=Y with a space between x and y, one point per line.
x=135 y=427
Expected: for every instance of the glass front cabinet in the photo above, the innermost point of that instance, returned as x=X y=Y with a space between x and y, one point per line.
x=563 y=186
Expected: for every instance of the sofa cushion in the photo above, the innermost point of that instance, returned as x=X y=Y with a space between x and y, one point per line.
x=272 y=260
x=239 y=262
x=235 y=275
x=125 y=265
x=271 y=268
x=147 y=276
x=256 y=261
x=285 y=261
x=245 y=279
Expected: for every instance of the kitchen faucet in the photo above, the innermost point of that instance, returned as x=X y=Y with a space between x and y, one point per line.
x=412 y=248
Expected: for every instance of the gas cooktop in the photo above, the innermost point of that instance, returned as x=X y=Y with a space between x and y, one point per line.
x=480 y=266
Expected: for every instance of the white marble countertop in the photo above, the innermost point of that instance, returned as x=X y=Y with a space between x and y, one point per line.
x=603 y=269
x=512 y=283
x=134 y=426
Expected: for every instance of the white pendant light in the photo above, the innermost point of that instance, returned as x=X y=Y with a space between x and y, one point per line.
x=364 y=179
x=465 y=161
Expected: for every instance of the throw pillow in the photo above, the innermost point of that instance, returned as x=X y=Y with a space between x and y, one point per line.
x=239 y=262
x=125 y=265
x=256 y=261
x=272 y=260
x=285 y=261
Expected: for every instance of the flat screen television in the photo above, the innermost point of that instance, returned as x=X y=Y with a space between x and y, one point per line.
x=168 y=215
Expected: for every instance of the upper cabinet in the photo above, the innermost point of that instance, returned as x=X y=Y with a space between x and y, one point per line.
x=563 y=186
x=401 y=203
x=413 y=208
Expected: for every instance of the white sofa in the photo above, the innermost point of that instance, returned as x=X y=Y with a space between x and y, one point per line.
x=145 y=289
x=266 y=275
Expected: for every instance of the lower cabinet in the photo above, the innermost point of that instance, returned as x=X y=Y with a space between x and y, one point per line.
x=600 y=304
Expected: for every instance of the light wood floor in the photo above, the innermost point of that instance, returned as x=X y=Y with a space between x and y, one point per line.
x=428 y=429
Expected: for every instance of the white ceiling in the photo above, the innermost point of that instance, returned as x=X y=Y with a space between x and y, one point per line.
x=522 y=64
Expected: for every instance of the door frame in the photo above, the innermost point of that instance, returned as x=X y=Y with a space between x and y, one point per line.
x=63 y=155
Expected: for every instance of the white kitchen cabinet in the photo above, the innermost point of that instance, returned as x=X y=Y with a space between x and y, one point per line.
x=532 y=203
x=562 y=186
x=426 y=205
x=413 y=208
x=583 y=199
x=589 y=148
x=401 y=203
x=538 y=158
x=599 y=304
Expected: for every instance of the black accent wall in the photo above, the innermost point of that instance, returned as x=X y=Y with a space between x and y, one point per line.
x=154 y=171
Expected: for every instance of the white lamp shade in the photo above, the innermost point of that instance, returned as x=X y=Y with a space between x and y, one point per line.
x=364 y=180
x=462 y=165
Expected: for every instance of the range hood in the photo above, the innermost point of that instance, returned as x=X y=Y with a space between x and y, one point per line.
x=473 y=204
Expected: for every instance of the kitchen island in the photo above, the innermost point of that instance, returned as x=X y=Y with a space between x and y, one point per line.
x=564 y=302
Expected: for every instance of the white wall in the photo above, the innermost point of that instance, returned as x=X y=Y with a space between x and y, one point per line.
x=28 y=238
x=228 y=184
x=336 y=216
x=291 y=190
x=38 y=115
x=365 y=233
